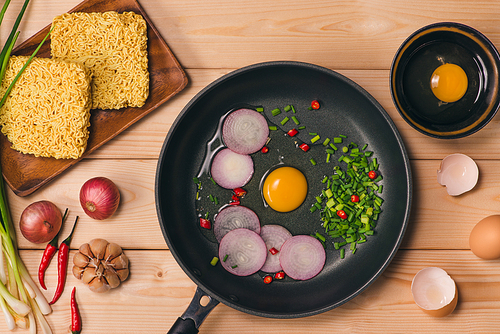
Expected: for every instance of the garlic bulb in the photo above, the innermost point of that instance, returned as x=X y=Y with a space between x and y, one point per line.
x=101 y=265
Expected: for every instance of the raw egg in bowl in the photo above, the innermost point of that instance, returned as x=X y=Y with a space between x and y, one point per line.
x=445 y=81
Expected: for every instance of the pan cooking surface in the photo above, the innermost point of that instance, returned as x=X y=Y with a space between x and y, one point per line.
x=346 y=109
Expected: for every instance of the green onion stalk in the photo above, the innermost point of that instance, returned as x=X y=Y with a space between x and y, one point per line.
x=20 y=299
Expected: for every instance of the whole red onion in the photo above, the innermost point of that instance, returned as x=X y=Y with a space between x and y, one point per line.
x=99 y=198
x=40 y=222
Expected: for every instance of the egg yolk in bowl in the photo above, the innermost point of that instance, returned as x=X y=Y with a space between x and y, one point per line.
x=449 y=82
x=285 y=189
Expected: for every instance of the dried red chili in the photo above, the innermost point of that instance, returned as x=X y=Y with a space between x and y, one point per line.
x=47 y=256
x=62 y=264
x=273 y=251
x=76 y=320
x=279 y=275
x=240 y=192
x=342 y=214
x=205 y=223
x=304 y=147
x=315 y=104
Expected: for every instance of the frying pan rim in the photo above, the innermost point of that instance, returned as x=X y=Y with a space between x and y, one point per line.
x=230 y=76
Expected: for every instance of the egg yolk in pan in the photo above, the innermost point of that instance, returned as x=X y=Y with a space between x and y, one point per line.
x=449 y=82
x=284 y=189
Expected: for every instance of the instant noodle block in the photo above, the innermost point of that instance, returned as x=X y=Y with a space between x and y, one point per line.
x=47 y=113
x=114 y=47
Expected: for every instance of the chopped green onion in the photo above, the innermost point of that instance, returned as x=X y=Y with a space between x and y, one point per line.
x=284 y=120
x=287 y=108
x=326 y=141
x=214 y=261
x=301 y=127
x=259 y=109
x=225 y=258
x=315 y=139
x=273 y=127
x=295 y=120
x=293 y=109
x=276 y=112
x=337 y=140
x=313 y=162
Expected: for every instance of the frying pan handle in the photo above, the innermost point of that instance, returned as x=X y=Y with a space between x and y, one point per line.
x=191 y=319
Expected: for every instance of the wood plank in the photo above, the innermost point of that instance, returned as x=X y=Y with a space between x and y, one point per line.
x=158 y=291
x=228 y=34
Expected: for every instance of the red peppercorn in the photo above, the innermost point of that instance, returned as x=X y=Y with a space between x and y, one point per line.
x=315 y=104
x=268 y=279
x=304 y=147
x=264 y=149
x=292 y=132
x=372 y=174
x=354 y=198
x=342 y=214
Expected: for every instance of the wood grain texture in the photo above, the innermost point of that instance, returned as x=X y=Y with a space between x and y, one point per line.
x=158 y=291
x=214 y=37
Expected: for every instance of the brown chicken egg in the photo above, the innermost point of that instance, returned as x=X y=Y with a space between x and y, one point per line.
x=484 y=239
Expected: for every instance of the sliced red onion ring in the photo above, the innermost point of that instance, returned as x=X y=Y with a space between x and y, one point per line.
x=233 y=217
x=230 y=169
x=242 y=252
x=274 y=236
x=302 y=257
x=245 y=131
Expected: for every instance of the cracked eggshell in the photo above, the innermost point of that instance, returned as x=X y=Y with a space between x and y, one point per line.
x=434 y=291
x=459 y=173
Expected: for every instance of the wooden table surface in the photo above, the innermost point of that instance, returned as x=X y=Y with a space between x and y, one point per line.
x=213 y=37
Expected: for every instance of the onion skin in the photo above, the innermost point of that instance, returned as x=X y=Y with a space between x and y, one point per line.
x=99 y=198
x=40 y=222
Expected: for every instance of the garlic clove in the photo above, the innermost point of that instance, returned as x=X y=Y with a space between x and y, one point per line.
x=121 y=262
x=112 y=251
x=112 y=278
x=123 y=274
x=98 y=247
x=88 y=275
x=98 y=285
x=78 y=272
x=85 y=250
x=81 y=260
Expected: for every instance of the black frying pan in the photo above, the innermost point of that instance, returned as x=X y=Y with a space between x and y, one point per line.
x=346 y=109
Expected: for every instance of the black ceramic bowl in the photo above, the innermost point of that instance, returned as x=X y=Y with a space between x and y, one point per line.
x=412 y=68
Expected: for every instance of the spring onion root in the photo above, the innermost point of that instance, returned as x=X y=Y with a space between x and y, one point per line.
x=20 y=299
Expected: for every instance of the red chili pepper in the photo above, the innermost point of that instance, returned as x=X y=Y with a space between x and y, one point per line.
x=342 y=214
x=205 y=223
x=235 y=197
x=279 y=275
x=264 y=149
x=354 y=198
x=292 y=132
x=304 y=147
x=273 y=251
x=235 y=203
x=76 y=320
x=240 y=192
x=315 y=104
x=48 y=254
x=372 y=174
x=268 y=279
x=62 y=264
